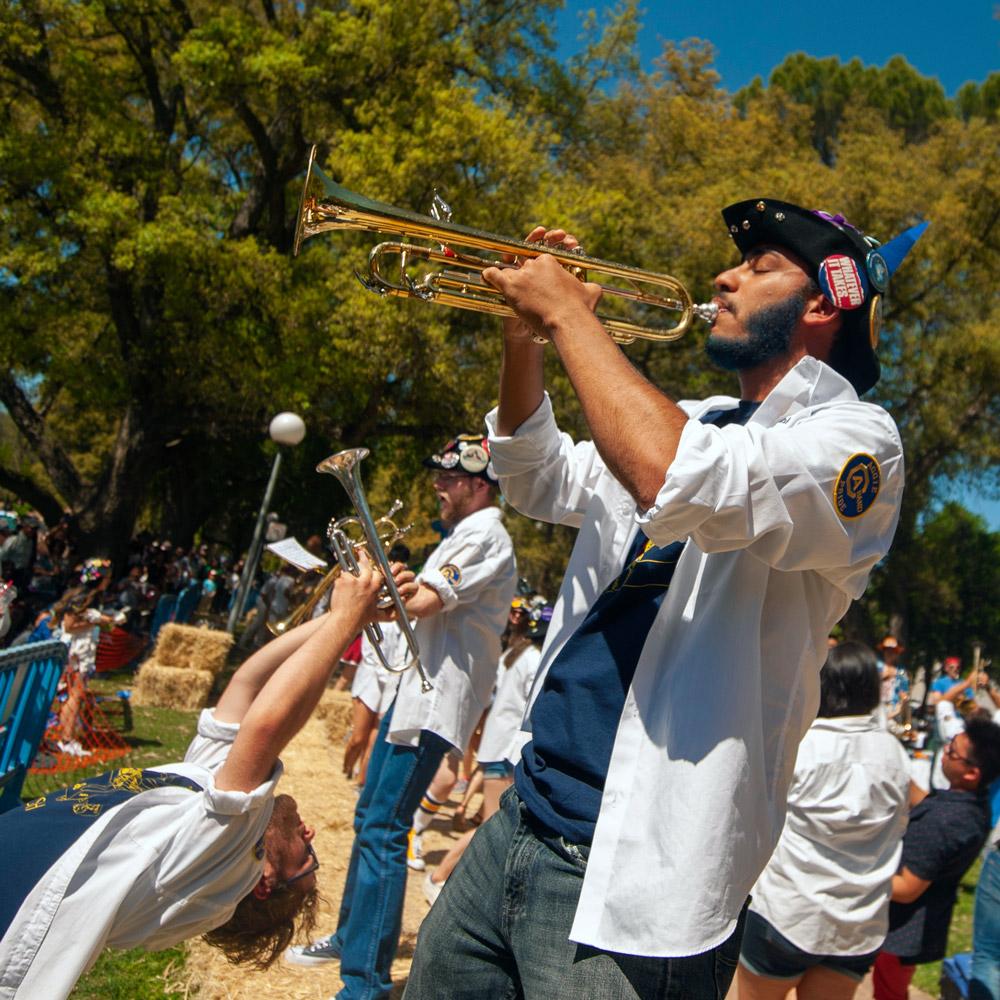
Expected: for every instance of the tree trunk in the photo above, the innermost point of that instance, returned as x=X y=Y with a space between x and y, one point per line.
x=108 y=512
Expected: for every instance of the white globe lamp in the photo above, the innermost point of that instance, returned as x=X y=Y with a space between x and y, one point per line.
x=287 y=428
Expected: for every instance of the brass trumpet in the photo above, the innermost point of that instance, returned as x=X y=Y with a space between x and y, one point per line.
x=303 y=607
x=326 y=206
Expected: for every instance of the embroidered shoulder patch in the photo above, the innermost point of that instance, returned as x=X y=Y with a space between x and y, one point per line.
x=857 y=486
x=451 y=573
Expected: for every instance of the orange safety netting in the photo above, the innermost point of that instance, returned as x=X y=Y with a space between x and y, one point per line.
x=78 y=734
x=118 y=648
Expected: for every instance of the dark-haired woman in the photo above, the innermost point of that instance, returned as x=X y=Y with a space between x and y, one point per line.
x=819 y=911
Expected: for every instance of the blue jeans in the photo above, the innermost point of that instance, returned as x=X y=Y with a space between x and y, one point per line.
x=500 y=929
x=985 y=983
x=371 y=909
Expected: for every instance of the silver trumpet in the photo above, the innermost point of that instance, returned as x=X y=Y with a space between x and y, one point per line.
x=345 y=466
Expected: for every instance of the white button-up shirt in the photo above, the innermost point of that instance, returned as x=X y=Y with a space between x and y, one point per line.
x=828 y=883
x=502 y=729
x=474 y=574
x=373 y=684
x=728 y=679
x=166 y=865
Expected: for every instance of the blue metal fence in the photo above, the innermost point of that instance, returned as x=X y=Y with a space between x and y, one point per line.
x=29 y=676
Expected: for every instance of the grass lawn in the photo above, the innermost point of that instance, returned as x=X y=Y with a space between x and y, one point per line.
x=158 y=736
x=132 y=975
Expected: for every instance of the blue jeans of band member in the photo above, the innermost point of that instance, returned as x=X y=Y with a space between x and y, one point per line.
x=500 y=929
x=371 y=909
x=985 y=983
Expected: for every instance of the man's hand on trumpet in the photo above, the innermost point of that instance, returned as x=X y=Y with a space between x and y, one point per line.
x=354 y=596
x=405 y=581
x=543 y=293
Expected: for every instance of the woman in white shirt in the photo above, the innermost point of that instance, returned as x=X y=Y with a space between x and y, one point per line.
x=500 y=743
x=819 y=911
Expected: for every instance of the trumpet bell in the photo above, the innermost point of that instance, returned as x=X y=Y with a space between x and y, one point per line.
x=399 y=267
x=343 y=463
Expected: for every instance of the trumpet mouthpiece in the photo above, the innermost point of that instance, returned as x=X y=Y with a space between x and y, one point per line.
x=706 y=311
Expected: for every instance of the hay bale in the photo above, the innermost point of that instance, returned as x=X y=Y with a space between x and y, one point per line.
x=160 y=686
x=338 y=712
x=189 y=648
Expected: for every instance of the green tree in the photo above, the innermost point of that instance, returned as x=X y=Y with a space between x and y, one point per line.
x=154 y=321
x=953 y=598
x=151 y=317
x=909 y=102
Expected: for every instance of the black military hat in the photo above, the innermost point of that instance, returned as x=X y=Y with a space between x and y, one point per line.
x=468 y=453
x=852 y=269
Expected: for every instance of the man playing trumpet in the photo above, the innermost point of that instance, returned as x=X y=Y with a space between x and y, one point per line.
x=719 y=542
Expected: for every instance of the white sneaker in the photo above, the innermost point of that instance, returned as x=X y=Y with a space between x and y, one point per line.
x=432 y=889
x=415 y=851
x=318 y=953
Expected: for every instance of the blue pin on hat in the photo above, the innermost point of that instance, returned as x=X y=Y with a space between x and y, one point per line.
x=883 y=262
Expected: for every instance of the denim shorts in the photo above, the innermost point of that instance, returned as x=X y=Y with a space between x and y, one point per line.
x=769 y=954
x=498 y=769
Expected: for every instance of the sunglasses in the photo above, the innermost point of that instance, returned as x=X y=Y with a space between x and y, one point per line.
x=312 y=867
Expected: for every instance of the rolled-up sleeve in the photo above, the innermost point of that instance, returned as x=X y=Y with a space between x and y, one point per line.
x=542 y=472
x=471 y=569
x=773 y=491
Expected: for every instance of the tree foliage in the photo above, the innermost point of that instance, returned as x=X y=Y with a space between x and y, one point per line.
x=153 y=319
x=151 y=316
x=954 y=598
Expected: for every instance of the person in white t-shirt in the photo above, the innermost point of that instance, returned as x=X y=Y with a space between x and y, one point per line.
x=501 y=743
x=820 y=910
x=201 y=847
x=373 y=690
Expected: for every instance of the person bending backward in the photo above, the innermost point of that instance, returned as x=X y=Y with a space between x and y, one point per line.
x=719 y=542
x=460 y=606
x=202 y=847
x=820 y=910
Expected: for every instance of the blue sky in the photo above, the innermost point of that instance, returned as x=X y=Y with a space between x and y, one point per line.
x=954 y=42
x=979 y=504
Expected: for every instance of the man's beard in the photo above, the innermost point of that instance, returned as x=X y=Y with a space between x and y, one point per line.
x=769 y=334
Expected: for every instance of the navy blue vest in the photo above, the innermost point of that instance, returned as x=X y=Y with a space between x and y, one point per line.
x=35 y=836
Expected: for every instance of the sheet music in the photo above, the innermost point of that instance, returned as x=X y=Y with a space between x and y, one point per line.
x=291 y=551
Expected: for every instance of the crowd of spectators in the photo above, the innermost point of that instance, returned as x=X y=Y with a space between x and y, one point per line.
x=42 y=573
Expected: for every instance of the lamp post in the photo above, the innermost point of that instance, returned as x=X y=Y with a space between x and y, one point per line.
x=287 y=429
